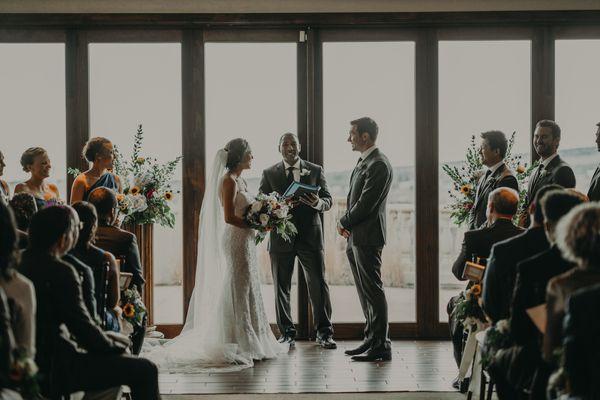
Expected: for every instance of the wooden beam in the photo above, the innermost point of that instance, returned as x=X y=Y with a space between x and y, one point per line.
x=542 y=79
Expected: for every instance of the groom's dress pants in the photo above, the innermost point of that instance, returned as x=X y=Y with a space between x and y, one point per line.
x=312 y=263
x=365 y=263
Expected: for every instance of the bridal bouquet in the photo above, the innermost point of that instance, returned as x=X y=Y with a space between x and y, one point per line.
x=465 y=177
x=270 y=212
x=23 y=375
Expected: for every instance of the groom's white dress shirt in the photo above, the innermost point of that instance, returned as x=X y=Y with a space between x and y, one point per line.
x=320 y=204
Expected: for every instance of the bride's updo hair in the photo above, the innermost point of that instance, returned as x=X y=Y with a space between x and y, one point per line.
x=236 y=150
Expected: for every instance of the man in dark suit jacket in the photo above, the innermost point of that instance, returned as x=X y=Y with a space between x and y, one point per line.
x=492 y=151
x=364 y=225
x=500 y=273
x=552 y=168
x=594 y=191
x=72 y=351
x=307 y=245
x=122 y=244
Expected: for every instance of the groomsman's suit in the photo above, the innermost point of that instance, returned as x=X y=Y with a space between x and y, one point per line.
x=307 y=245
x=365 y=219
x=594 y=191
x=496 y=176
x=553 y=170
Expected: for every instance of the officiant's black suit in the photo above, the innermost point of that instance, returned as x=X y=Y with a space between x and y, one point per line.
x=365 y=218
x=307 y=245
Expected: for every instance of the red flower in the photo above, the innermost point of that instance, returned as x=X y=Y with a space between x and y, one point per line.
x=468 y=206
x=150 y=194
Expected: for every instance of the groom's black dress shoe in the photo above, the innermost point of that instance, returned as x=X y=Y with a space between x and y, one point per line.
x=359 y=350
x=289 y=340
x=375 y=354
x=327 y=343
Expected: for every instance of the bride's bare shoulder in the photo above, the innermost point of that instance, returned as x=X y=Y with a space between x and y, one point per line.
x=228 y=181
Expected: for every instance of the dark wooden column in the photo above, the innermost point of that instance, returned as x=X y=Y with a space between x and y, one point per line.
x=77 y=100
x=426 y=168
x=194 y=152
x=542 y=78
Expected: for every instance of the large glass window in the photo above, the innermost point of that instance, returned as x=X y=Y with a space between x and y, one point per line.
x=577 y=111
x=32 y=108
x=483 y=85
x=375 y=79
x=251 y=92
x=132 y=84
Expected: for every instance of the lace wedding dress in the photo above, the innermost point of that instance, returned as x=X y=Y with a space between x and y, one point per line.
x=226 y=328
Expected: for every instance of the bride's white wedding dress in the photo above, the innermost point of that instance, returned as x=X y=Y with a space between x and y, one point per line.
x=226 y=327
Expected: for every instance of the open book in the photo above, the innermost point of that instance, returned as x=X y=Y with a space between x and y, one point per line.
x=539 y=316
x=297 y=189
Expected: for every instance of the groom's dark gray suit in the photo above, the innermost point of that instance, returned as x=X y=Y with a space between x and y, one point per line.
x=307 y=245
x=365 y=219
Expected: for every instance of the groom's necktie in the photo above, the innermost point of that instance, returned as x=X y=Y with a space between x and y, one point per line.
x=354 y=170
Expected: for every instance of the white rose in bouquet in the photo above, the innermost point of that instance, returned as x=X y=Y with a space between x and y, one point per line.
x=264 y=219
x=256 y=206
x=281 y=213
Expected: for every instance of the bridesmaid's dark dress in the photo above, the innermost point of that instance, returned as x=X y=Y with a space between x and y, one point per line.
x=107 y=180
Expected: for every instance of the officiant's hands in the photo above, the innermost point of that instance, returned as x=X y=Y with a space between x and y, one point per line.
x=310 y=199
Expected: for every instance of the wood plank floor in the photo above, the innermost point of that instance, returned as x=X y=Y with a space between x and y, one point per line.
x=423 y=366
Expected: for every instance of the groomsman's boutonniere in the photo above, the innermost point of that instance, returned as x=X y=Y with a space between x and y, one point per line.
x=304 y=172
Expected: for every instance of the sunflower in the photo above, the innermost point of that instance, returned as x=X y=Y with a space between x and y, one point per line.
x=476 y=290
x=140 y=160
x=520 y=169
x=120 y=197
x=129 y=310
x=134 y=190
x=465 y=189
x=169 y=195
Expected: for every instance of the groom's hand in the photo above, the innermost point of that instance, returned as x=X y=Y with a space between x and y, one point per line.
x=310 y=199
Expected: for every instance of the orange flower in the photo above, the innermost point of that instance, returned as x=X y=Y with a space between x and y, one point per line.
x=120 y=197
x=476 y=290
x=465 y=189
x=520 y=169
x=134 y=190
x=169 y=196
x=129 y=310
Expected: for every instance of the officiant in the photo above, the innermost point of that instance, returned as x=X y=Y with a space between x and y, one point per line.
x=307 y=245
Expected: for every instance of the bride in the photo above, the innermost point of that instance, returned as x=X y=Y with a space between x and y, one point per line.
x=226 y=326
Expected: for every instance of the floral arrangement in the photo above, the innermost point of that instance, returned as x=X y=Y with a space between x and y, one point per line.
x=497 y=337
x=269 y=212
x=133 y=307
x=465 y=178
x=467 y=308
x=23 y=375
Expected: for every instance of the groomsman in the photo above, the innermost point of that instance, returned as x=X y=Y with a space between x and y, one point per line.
x=594 y=192
x=363 y=224
x=552 y=168
x=307 y=245
x=492 y=151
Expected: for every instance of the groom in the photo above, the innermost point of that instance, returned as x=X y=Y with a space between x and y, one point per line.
x=307 y=245
x=363 y=225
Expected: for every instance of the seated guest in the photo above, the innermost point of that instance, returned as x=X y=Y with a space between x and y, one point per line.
x=502 y=206
x=594 y=190
x=99 y=151
x=581 y=333
x=501 y=270
x=552 y=168
x=4 y=189
x=120 y=243
x=492 y=151
x=24 y=207
x=97 y=259
x=64 y=327
x=35 y=161
x=533 y=275
x=578 y=238
x=18 y=289
x=7 y=350
x=88 y=286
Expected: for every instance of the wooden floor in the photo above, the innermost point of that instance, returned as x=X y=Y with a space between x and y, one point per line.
x=424 y=366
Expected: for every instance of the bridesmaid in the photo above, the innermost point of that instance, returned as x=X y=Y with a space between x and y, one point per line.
x=4 y=189
x=35 y=161
x=99 y=151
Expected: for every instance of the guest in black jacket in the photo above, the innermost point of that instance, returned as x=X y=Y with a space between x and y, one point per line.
x=64 y=327
x=594 y=191
x=552 y=168
x=120 y=243
x=501 y=208
x=492 y=151
x=501 y=270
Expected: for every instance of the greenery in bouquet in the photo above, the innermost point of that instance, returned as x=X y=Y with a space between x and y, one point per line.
x=23 y=375
x=467 y=308
x=464 y=179
x=133 y=307
x=270 y=212
x=497 y=337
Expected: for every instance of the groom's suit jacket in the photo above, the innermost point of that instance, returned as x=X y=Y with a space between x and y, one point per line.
x=307 y=219
x=369 y=187
x=594 y=191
